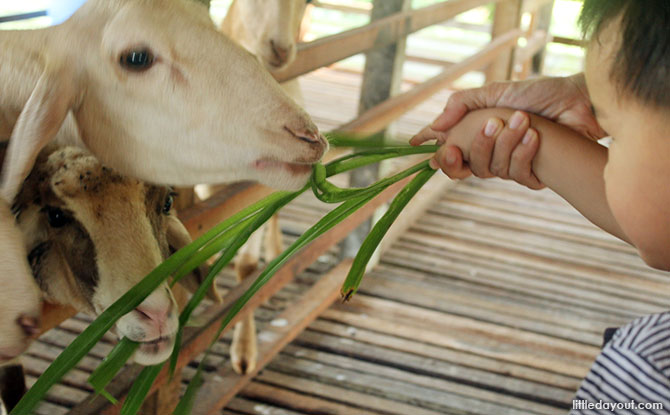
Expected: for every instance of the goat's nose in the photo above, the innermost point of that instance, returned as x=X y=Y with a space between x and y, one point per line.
x=308 y=135
x=280 y=53
x=156 y=315
x=29 y=324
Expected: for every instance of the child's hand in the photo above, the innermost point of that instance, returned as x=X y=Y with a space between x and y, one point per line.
x=499 y=149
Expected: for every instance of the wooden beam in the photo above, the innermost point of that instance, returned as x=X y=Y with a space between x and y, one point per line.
x=428 y=61
x=382 y=77
x=533 y=6
x=507 y=17
x=380 y=116
x=202 y=216
x=197 y=339
x=569 y=41
x=331 y=49
x=543 y=18
x=534 y=44
x=222 y=386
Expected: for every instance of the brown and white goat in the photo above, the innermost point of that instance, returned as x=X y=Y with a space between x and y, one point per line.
x=92 y=234
x=270 y=30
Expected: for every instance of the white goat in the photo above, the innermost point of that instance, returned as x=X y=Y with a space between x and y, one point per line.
x=19 y=296
x=156 y=92
x=269 y=30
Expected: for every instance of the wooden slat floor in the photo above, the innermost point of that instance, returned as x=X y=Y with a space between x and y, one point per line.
x=492 y=303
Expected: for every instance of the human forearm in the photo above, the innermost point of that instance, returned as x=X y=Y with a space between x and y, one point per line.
x=568 y=163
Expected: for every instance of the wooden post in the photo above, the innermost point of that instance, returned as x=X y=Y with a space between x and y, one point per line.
x=507 y=16
x=381 y=80
x=205 y=2
x=543 y=23
x=185 y=198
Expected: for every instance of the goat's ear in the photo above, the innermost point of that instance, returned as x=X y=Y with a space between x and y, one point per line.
x=39 y=122
x=178 y=237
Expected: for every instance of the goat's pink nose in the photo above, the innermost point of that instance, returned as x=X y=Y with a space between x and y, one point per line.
x=280 y=53
x=158 y=315
x=29 y=324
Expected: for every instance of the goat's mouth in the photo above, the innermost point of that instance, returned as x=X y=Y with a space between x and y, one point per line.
x=154 y=351
x=293 y=168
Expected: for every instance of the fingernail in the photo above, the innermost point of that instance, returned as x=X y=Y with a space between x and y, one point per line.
x=491 y=128
x=450 y=159
x=516 y=120
x=528 y=138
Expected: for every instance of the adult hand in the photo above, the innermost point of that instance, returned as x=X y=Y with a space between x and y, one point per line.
x=563 y=100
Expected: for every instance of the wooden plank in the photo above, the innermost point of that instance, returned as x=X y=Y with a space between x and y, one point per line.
x=413 y=355
x=303 y=403
x=221 y=387
x=466 y=334
x=331 y=49
x=423 y=391
x=464 y=261
x=359 y=401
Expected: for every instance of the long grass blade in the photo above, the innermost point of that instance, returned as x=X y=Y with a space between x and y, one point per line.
x=186 y=403
x=238 y=239
x=140 y=389
x=382 y=226
x=329 y=193
x=110 y=366
x=336 y=216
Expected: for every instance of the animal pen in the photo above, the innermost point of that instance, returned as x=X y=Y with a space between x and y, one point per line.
x=480 y=303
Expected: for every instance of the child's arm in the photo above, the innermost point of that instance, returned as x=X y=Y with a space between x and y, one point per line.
x=566 y=162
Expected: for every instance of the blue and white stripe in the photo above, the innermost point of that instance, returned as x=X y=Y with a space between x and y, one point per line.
x=633 y=366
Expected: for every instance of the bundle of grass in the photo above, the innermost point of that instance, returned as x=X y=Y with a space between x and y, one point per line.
x=225 y=239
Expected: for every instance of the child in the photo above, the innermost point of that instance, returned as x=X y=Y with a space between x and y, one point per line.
x=623 y=190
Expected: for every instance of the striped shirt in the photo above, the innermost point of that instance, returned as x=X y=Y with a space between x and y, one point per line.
x=632 y=372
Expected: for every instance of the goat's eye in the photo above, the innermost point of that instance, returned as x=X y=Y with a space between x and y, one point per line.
x=56 y=217
x=137 y=60
x=168 y=204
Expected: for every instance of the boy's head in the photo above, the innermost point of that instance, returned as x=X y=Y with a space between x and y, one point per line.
x=641 y=66
x=628 y=79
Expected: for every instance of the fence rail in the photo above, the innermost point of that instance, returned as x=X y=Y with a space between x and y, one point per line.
x=22 y=16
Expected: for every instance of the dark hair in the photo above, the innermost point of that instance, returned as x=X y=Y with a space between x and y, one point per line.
x=642 y=64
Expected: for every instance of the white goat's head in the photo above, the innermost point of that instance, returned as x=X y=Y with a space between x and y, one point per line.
x=92 y=234
x=19 y=296
x=268 y=28
x=158 y=93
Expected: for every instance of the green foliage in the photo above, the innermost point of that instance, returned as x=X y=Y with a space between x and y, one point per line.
x=226 y=238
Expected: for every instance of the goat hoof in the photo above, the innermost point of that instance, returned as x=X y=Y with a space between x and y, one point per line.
x=242 y=365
